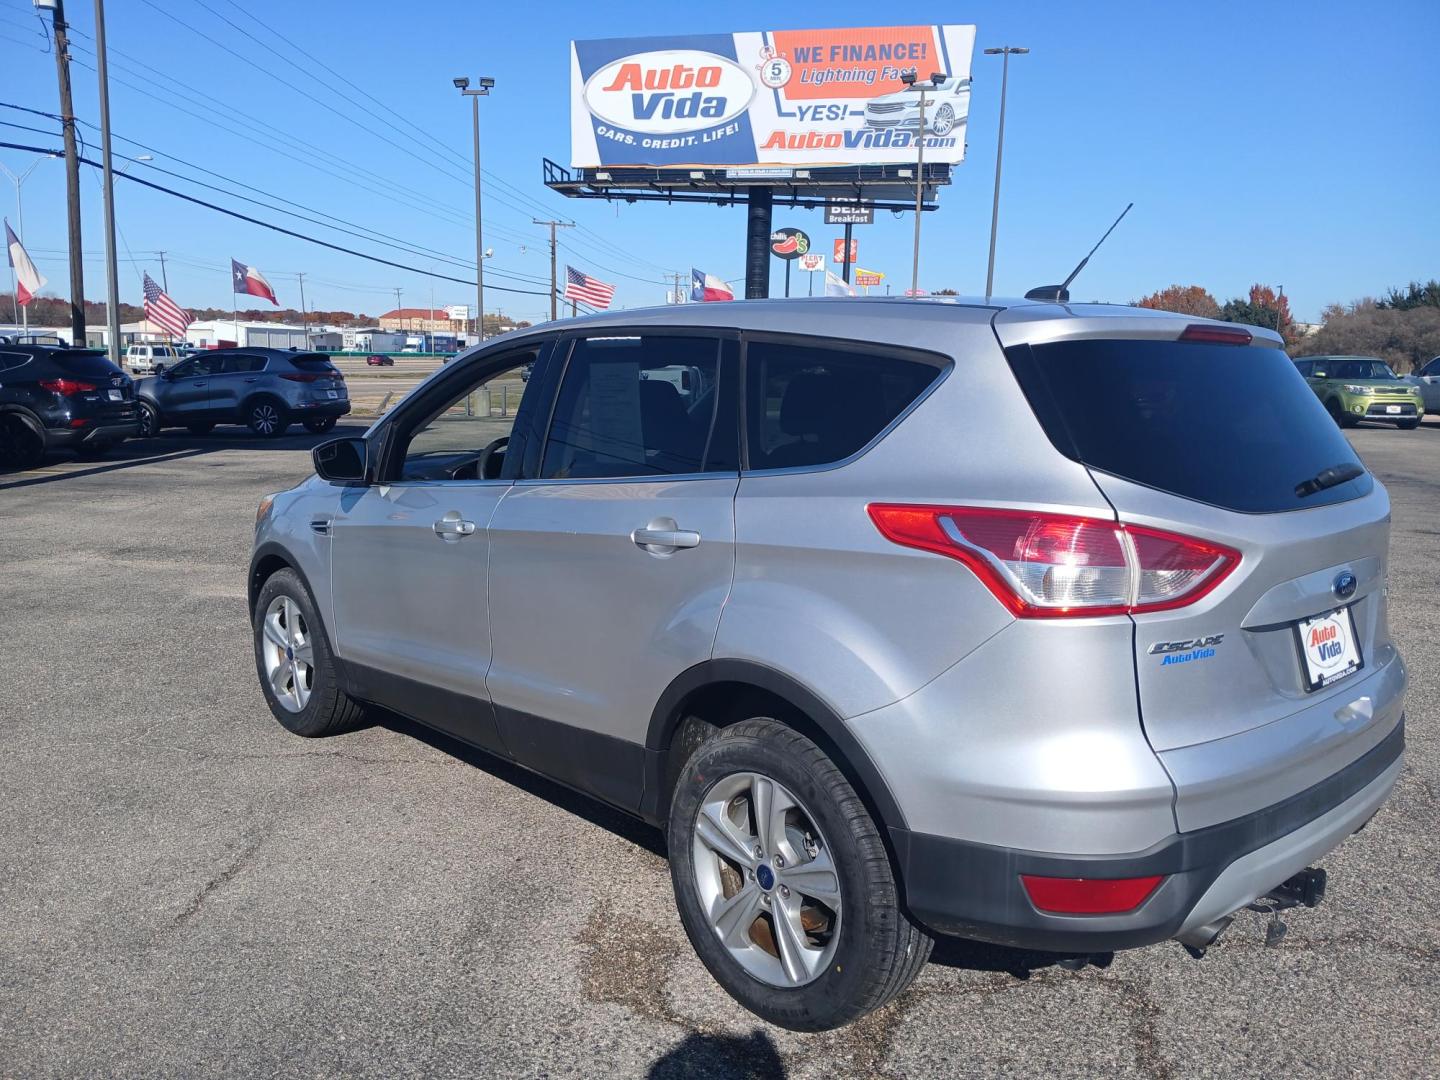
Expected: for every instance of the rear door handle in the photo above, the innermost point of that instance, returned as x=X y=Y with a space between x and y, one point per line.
x=252 y=380
x=452 y=527
x=663 y=536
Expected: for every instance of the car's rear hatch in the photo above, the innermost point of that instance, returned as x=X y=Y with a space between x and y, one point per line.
x=325 y=381
x=1226 y=443
x=103 y=392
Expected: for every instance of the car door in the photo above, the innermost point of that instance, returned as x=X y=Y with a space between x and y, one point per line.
x=238 y=374
x=184 y=391
x=409 y=554
x=610 y=567
x=1430 y=385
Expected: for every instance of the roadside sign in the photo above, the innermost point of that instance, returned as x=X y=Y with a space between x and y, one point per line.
x=840 y=251
x=789 y=243
x=848 y=212
x=867 y=277
x=812 y=262
x=457 y=311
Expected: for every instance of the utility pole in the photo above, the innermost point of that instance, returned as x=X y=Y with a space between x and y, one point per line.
x=485 y=86
x=399 y=317
x=1004 y=51
x=164 y=278
x=677 y=275
x=304 y=315
x=112 y=274
x=554 y=294
x=72 y=177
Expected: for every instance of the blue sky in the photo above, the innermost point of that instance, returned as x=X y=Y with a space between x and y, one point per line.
x=1278 y=143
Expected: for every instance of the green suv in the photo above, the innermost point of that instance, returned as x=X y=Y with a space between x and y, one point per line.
x=1355 y=388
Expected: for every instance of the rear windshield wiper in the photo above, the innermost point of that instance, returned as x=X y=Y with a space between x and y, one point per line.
x=1328 y=478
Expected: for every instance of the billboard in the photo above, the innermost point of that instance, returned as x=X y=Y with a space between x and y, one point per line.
x=782 y=98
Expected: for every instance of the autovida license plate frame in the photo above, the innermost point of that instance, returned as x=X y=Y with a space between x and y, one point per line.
x=1314 y=682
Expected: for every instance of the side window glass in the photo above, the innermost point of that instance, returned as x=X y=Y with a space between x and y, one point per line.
x=239 y=365
x=466 y=439
x=636 y=405
x=1306 y=367
x=1432 y=368
x=12 y=360
x=814 y=405
x=186 y=370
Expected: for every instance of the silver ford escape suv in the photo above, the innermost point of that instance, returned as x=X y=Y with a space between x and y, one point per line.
x=1052 y=625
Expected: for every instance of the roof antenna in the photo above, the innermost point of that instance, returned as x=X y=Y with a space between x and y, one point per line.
x=1061 y=293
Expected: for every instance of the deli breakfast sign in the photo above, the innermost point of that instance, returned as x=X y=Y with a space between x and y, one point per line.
x=780 y=98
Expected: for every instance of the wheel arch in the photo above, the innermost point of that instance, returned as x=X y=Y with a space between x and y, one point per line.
x=270 y=558
x=722 y=692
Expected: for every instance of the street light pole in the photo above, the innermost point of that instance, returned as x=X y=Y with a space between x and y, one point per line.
x=1004 y=51
x=908 y=78
x=485 y=85
x=112 y=274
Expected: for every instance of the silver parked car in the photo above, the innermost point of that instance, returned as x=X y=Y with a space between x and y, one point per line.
x=267 y=390
x=946 y=108
x=902 y=618
x=1428 y=380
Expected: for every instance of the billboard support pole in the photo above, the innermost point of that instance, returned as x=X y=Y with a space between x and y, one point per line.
x=787 y=279
x=757 y=243
x=845 y=263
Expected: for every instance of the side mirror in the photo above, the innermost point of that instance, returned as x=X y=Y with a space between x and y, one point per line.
x=1320 y=375
x=343 y=461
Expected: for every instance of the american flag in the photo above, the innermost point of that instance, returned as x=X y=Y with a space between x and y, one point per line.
x=586 y=289
x=164 y=312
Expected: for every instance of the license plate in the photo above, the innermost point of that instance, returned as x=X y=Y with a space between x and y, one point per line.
x=335 y=393
x=116 y=395
x=1329 y=650
x=1392 y=408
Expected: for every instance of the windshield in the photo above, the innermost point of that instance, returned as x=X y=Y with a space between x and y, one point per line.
x=1356 y=369
x=1232 y=426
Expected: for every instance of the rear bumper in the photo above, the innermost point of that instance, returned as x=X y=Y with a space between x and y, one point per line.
x=110 y=432
x=321 y=408
x=974 y=890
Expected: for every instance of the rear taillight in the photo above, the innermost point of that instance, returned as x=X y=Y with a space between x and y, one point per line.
x=1217 y=335
x=1088 y=896
x=1042 y=565
x=294 y=377
x=68 y=387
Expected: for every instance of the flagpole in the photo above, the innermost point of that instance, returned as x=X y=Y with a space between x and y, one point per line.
x=112 y=274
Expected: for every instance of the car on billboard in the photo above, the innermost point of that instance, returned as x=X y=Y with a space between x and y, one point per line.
x=946 y=108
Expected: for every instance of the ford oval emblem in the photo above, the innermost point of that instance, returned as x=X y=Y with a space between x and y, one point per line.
x=1345 y=585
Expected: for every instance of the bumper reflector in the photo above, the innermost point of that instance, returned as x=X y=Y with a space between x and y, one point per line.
x=1089 y=896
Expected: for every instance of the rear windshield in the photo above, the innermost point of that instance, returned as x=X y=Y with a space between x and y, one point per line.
x=312 y=362
x=75 y=362
x=1233 y=426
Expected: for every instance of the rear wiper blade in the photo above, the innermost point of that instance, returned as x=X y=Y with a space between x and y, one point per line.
x=1328 y=478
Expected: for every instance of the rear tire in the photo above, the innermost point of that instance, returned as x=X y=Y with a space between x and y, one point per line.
x=22 y=444
x=298 y=673
x=267 y=418
x=319 y=427
x=150 y=421
x=840 y=958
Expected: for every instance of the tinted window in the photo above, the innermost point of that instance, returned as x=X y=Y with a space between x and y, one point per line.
x=1360 y=369
x=1305 y=367
x=311 y=362
x=1235 y=427
x=812 y=405
x=1432 y=368
x=638 y=405
x=93 y=364
x=12 y=360
x=240 y=365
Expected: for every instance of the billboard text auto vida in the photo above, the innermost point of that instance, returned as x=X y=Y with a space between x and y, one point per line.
x=784 y=97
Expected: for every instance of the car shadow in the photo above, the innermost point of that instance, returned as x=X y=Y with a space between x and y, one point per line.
x=167 y=446
x=949 y=952
x=700 y=1055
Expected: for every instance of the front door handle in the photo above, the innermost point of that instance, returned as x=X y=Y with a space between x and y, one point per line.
x=662 y=536
x=452 y=527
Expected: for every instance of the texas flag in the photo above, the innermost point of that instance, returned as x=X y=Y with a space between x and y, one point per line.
x=28 y=280
x=708 y=287
x=249 y=280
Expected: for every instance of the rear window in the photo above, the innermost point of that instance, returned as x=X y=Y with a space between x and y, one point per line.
x=1235 y=427
x=75 y=362
x=312 y=362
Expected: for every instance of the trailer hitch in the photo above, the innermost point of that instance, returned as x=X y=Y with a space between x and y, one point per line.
x=1305 y=889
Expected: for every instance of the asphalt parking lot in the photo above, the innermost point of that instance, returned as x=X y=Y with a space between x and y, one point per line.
x=186 y=889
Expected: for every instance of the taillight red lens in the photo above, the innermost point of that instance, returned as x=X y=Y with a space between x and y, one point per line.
x=1217 y=335
x=1042 y=565
x=1089 y=896
x=293 y=377
x=67 y=387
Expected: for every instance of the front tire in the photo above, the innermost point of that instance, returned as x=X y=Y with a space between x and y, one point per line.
x=297 y=669
x=320 y=426
x=267 y=418
x=944 y=121
x=783 y=882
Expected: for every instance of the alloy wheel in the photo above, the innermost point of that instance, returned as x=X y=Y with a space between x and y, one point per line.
x=766 y=879
x=943 y=122
x=264 y=418
x=289 y=653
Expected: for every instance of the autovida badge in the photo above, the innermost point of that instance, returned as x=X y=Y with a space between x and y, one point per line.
x=1345 y=585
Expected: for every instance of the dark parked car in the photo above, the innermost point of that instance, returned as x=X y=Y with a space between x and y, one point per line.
x=56 y=398
x=267 y=390
x=378 y=360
